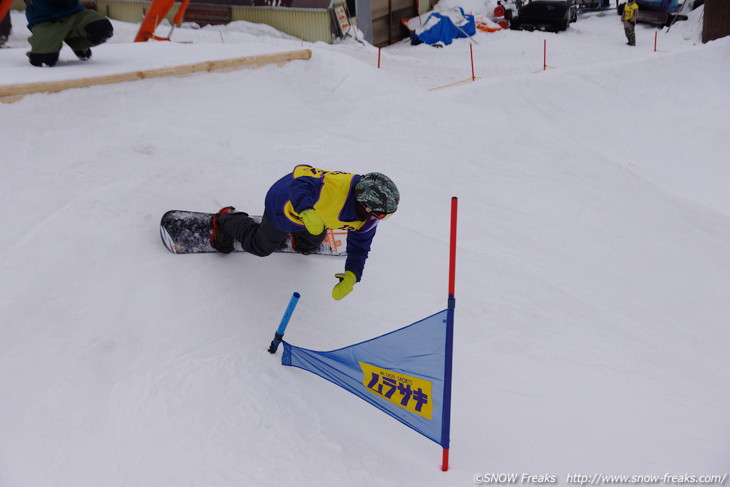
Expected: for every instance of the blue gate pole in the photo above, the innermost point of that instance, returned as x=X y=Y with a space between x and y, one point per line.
x=446 y=412
x=279 y=335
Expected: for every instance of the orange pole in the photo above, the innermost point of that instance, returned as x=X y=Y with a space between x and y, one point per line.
x=5 y=8
x=181 y=12
x=158 y=10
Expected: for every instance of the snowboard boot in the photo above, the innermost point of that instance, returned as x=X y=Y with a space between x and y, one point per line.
x=219 y=239
x=301 y=247
x=306 y=243
x=84 y=54
x=49 y=59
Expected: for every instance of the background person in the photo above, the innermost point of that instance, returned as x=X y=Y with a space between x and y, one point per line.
x=53 y=22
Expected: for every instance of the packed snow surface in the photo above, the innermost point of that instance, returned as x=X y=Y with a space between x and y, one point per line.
x=592 y=318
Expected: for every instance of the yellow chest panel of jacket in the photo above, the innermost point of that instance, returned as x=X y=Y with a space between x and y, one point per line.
x=332 y=198
x=630 y=10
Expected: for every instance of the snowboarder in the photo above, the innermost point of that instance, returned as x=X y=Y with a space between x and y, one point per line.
x=305 y=203
x=53 y=22
x=630 y=16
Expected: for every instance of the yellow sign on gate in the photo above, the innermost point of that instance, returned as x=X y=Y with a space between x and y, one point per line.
x=410 y=393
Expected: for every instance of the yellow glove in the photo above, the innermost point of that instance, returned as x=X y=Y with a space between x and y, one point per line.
x=344 y=287
x=312 y=221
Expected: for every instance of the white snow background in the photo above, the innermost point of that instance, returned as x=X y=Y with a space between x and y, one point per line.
x=593 y=274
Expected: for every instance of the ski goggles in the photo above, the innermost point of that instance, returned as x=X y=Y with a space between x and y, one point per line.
x=371 y=214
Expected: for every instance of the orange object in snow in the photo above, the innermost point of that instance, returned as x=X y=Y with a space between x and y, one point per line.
x=5 y=8
x=158 y=11
x=483 y=26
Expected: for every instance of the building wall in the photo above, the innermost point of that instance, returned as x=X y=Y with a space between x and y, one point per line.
x=310 y=25
x=128 y=11
x=386 y=20
x=716 y=23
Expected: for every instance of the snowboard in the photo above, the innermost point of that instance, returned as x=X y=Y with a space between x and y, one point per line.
x=188 y=232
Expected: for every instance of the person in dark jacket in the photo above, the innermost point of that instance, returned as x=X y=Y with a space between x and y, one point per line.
x=53 y=22
x=305 y=203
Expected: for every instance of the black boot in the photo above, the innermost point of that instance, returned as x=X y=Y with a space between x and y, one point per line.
x=99 y=31
x=306 y=243
x=39 y=60
x=84 y=54
x=219 y=239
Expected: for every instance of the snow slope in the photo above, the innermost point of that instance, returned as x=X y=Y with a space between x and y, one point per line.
x=593 y=265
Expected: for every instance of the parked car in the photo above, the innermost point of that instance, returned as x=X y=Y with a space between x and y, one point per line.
x=547 y=15
x=658 y=12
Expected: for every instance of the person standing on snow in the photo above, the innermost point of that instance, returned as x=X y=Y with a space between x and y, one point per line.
x=630 y=17
x=305 y=203
x=53 y=22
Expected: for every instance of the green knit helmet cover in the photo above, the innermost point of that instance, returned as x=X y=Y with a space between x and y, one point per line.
x=377 y=192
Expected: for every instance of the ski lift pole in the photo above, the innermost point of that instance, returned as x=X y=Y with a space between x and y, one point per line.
x=279 y=335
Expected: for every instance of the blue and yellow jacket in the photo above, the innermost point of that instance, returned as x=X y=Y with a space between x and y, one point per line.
x=331 y=194
x=631 y=13
x=37 y=11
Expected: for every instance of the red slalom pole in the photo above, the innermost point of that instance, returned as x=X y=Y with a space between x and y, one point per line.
x=544 y=57
x=452 y=247
x=655 y=36
x=446 y=412
x=378 y=58
x=471 y=55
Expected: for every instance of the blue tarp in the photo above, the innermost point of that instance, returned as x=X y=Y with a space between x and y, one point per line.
x=444 y=27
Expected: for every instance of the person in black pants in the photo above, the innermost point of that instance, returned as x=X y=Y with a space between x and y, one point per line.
x=305 y=203
x=53 y=22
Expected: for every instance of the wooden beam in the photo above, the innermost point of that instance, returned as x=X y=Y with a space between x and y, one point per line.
x=15 y=92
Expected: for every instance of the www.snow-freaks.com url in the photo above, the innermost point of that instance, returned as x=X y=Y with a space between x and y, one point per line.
x=601 y=479
x=667 y=478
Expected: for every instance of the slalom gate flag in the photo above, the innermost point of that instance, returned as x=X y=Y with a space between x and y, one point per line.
x=404 y=373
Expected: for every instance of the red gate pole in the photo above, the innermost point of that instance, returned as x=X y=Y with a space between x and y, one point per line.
x=471 y=55
x=446 y=412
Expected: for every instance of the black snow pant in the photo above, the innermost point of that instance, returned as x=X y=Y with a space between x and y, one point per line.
x=82 y=30
x=5 y=27
x=264 y=238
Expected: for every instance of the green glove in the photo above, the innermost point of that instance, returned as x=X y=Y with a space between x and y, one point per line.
x=312 y=221
x=344 y=287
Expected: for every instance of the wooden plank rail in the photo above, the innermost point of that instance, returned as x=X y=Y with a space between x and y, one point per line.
x=11 y=93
